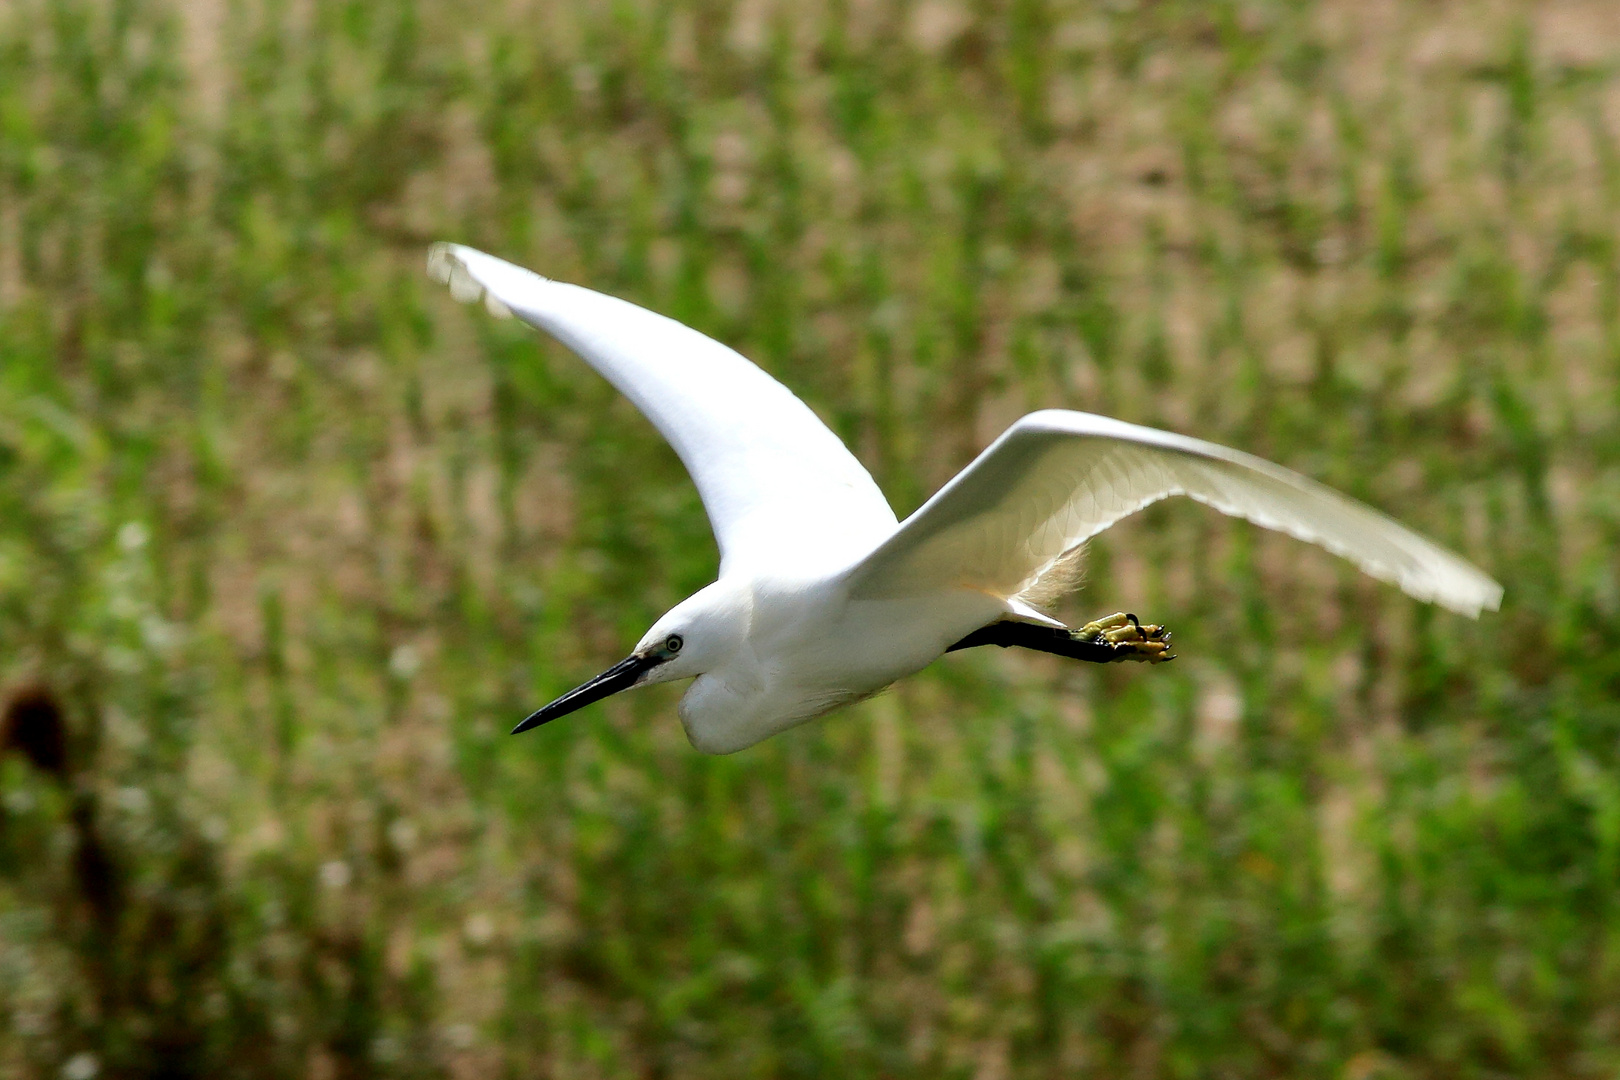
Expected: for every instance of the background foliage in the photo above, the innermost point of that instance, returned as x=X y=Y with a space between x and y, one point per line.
x=290 y=540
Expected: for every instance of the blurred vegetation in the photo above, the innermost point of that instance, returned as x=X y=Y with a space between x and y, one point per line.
x=291 y=539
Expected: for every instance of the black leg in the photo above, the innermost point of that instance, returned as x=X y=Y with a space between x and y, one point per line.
x=1106 y=641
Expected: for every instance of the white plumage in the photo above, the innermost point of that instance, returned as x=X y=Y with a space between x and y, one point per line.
x=823 y=597
x=1057 y=478
x=777 y=484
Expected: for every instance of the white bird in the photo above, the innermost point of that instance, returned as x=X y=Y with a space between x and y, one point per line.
x=824 y=597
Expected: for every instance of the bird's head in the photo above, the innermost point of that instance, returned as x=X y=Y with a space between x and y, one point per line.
x=695 y=636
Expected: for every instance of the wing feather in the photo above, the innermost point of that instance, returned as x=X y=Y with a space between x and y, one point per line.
x=1080 y=473
x=778 y=485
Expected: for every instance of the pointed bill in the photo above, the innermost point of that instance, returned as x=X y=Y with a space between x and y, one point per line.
x=621 y=676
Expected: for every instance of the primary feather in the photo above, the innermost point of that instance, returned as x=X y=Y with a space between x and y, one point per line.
x=778 y=485
x=782 y=490
x=1057 y=478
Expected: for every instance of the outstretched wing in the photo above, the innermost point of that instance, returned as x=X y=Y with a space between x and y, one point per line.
x=779 y=487
x=1056 y=478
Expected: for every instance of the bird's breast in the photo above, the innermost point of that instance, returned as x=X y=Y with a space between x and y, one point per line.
x=800 y=664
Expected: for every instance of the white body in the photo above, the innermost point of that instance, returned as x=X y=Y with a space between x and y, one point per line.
x=788 y=651
x=823 y=596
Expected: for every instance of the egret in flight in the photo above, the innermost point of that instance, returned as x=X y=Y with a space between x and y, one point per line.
x=824 y=597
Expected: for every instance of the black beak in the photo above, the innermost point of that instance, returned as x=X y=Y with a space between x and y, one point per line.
x=621 y=676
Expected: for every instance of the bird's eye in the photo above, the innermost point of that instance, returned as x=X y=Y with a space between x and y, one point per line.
x=673 y=643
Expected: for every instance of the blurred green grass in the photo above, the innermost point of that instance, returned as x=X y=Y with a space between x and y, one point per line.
x=291 y=540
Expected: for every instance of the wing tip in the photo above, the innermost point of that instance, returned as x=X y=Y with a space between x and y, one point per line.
x=1489 y=599
x=1470 y=597
x=448 y=265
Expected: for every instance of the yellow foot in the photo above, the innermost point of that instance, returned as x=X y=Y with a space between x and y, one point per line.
x=1130 y=638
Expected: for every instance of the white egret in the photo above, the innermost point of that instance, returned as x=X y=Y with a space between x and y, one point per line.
x=824 y=598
